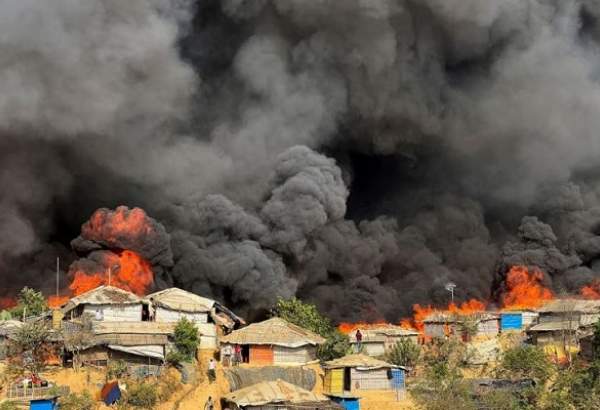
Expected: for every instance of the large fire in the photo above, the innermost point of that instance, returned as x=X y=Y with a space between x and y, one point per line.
x=127 y=270
x=525 y=289
x=114 y=227
x=591 y=291
x=7 y=302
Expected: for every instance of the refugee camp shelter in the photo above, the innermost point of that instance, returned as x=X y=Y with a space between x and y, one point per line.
x=441 y=324
x=583 y=312
x=133 y=342
x=361 y=372
x=274 y=341
x=377 y=340
x=558 y=339
x=517 y=320
x=105 y=303
x=7 y=329
x=278 y=395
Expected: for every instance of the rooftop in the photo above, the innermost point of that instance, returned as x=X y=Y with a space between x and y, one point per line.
x=277 y=391
x=102 y=295
x=180 y=300
x=275 y=331
x=359 y=360
x=571 y=305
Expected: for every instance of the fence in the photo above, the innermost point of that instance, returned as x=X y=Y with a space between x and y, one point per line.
x=19 y=392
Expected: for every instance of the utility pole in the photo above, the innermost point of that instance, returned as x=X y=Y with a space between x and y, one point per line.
x=109 y=275
x=450 y=288
x=57 y=277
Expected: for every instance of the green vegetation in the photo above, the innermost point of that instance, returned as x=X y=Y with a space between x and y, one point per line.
x=525 y=362
x=74 y=401
x=116 y=369
x=142 y=395
x=8 y=405
x=29 y=348
x=404 y=353
x=307 y=315
x=186 y=342
x=29 y=303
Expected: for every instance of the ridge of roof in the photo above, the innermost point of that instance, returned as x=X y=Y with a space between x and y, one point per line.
x=274 y=331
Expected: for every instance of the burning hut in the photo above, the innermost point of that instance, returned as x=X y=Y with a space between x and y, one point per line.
x=377 y=340
x=562 y=322
x=105 y=303
x=170 y=305
x=274 y=341
x=278 y=395
x=361 y=372
x=474 y=325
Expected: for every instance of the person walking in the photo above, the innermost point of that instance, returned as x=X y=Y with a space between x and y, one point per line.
x=212 y=370
x=210 y=404
x=227 y=355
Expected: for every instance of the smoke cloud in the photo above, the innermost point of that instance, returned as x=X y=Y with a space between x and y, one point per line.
x=359 y=154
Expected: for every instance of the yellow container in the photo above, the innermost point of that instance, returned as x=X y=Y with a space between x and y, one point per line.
x=57 y=317
x=334 y=381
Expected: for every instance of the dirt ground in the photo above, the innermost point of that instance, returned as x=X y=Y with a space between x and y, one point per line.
x=193 y=395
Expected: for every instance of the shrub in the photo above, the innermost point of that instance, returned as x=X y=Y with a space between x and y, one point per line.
x=404 y=353
x=73 y=401
x=116 y=369
x=8 y=405
x=525 y=362
x=186 y=339
x=30 y=303
x=142 y=395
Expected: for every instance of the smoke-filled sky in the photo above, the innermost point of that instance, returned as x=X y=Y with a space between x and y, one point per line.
x=359 y=154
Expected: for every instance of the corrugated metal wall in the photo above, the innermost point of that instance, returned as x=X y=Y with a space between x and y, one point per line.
x=370 y=379
x=172 y=316
x=374 y=349
x=261 y=354
x=488 y=327
x=116 y=313
x=511 y=321
x=302 y=354
x=334 y=381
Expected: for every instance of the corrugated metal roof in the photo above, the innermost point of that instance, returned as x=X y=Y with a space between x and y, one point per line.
x=571 y=305
x=102 y=295
x=275 y=331
x=359 y=361
x=9 y=327
x=180 y=300
x=552 y=326
x=277 y=391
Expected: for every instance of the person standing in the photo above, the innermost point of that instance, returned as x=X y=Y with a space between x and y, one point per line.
x=210 y=404
x=212 y=370
x=238 y=354
x=227 y=353
x=358 y=340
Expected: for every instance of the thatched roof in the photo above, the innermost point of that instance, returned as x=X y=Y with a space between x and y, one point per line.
x=102 y=295
x=275 y=331
x=180 y=300
x=276 y=392
x=571 y=306
x=359 y=361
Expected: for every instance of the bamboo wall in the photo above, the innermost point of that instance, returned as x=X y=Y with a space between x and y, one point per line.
x=303 y=354
x=116 y=313
x=173 y=316
x=370 y=379
x=261 y=354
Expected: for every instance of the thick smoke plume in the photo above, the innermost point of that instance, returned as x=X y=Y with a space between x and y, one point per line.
x=359 y=154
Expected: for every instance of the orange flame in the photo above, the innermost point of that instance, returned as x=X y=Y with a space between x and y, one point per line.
x=348 y=328
x=55 y=302
x=591 y=291
x=129 y=271
x=7 y=302
x=113 y=226
x=525 y=290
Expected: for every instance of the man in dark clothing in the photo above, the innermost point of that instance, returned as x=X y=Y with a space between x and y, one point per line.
x=358 y=340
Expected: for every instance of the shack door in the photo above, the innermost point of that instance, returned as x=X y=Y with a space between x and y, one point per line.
x=347 y=379
x=261 y=354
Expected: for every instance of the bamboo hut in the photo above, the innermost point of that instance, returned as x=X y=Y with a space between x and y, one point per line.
x=361 y=372
x=274 y=341
x=376 y=341
x=105 y=303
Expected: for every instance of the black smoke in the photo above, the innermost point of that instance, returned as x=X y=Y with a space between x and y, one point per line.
x=359 y=154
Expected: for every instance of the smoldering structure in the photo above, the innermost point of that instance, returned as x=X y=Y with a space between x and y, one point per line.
x=359 y=154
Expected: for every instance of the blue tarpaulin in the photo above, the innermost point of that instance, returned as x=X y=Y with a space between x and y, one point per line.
x=42 y=404
x=510 y=321
x=111 y=393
